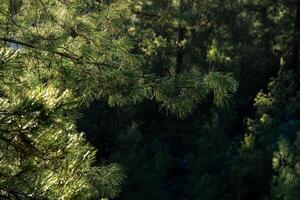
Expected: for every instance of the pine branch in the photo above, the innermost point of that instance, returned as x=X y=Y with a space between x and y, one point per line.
x=75 y=59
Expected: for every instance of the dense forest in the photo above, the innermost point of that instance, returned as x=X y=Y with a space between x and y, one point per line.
x=150 y=99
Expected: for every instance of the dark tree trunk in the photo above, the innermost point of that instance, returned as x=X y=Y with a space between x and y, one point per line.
x=181 y=35
x=295 y=55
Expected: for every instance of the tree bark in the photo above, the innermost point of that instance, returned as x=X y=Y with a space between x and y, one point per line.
x=295 y=54
x=181 y=35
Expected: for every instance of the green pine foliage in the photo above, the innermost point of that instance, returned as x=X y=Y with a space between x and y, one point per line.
x=56 y=56
x=286 y=164
x=271 y=138
x=42 y=154
x=149 y=99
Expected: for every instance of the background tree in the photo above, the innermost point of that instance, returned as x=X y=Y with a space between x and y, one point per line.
x=215 y=153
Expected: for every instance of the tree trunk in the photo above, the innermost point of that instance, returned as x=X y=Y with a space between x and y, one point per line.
x=295 y=55
x=181 y=35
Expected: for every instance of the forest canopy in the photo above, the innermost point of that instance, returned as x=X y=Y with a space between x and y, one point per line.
x=149 y=99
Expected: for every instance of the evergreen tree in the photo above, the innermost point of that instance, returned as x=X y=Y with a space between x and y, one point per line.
x=56 y=56
x=276 y=124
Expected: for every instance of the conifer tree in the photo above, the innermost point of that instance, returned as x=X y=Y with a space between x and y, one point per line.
x=267 y=155
x=208 y=155
x=55 y=57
